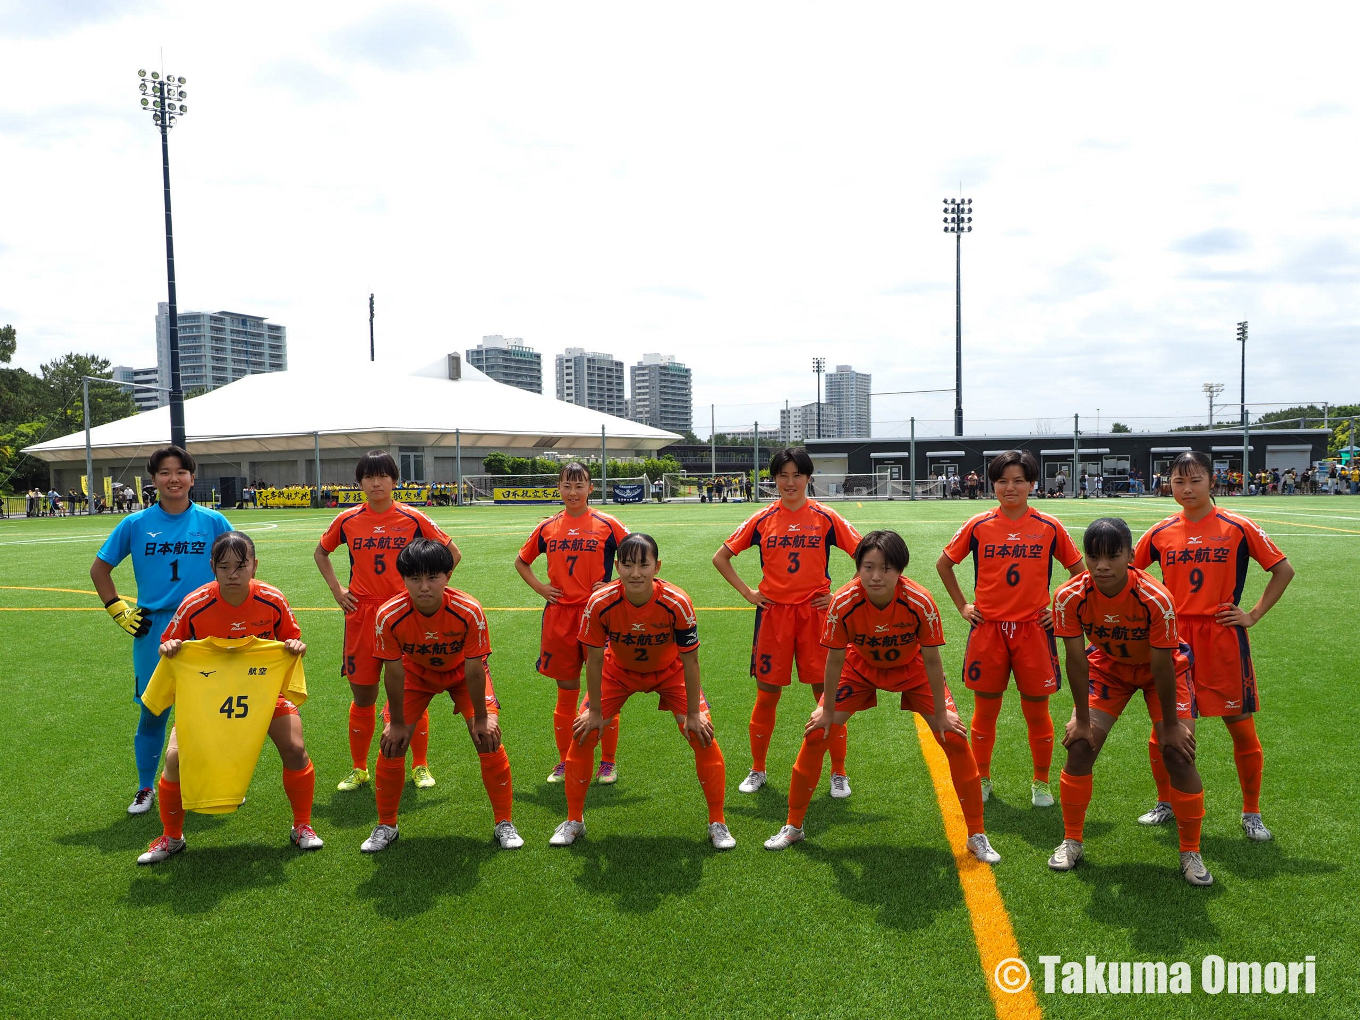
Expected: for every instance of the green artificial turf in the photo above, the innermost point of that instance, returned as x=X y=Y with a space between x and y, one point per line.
x=643 y=918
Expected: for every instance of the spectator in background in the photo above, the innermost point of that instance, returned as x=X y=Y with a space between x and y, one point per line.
x=1084 y=485
x=1100 y=485
x=971 y=483
x=1355 y=479
x=1060 y=480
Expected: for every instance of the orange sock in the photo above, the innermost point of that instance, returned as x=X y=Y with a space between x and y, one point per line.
x=983 y=731
x=580 y=764
x=171 y=807
x=609 y=743
x=837 y=750
x=361 y=723
x=1189 y=809
x=387 y=788
x=1074 y=792
x=712 y=771
x=967 y=782
x=300 y=785
x=807 y=773
x=1159 y=772
x=762 y=728
x=1040 y=725
x=496 y=779
x=1250 y=759
x=564 y=714
x=420 y=741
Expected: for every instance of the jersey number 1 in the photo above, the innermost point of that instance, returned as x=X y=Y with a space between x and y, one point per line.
x=237 y=709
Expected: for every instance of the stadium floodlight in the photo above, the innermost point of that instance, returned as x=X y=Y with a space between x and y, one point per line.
x=819 y=366
x=958 y=220
x=163 y=98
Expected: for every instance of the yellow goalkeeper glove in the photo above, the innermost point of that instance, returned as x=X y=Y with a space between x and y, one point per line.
x=131 y=618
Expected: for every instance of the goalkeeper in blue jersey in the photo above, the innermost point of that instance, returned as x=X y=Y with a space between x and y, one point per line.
x=169 y=543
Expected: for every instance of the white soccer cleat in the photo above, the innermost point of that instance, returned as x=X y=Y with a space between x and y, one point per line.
x=982 y=849
x=383 y=837
x=506 y=837
x=558 y=773
x=161 y=847
x=1255 y=828
x=304 y=837
x=1067 y=856
x=1160 y=814
x=784 y=838
x=567 y=833
x=840 y=786
x=754 y=781
x=720 y=837
x=986 y=788
x=1040 y=795
x=141 y=803
x=1192 y=867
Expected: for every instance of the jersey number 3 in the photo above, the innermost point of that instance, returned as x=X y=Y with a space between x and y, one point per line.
x=235 y=708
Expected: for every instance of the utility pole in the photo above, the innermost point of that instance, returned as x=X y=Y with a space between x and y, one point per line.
x=370 y=328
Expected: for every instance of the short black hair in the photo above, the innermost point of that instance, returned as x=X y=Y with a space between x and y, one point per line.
x=574 y=470
x=422 y=557
x=375 y=464
x=1107 y=536
x=892 y=545
x=232 y=543
x=153 y=463
x=636 y=547
x=1023 y=458
x=795 y=454
x=1194 y=461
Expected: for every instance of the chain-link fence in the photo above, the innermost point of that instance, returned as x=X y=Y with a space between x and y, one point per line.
x=543 y=489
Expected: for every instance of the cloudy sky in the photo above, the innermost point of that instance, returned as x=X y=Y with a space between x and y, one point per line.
x=746 y=186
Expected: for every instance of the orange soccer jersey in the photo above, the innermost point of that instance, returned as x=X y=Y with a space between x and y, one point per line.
x=640 y=639
x=795 y=548
x=432 y=648
x=888 y=638
x=373 y=541
x=205 y=613
x=579 y=550
x=1122 y=630
x=1204 y=563
x=1012 y=561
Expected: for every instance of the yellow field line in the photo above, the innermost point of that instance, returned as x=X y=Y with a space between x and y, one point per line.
x=24 y=587
x=1300 y=524
x=991 y=924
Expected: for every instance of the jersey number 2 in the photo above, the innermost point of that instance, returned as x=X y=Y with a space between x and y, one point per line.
x=237 y=709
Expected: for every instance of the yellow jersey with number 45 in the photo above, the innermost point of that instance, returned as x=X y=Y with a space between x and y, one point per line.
x=224 y=693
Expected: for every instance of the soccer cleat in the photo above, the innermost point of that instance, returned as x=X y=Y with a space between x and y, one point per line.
x=784 y=838
x=161 y=847
x=1160 y=814
x=422 y=777
x=558 y=773
x=1255 y=828
x=1192 y=867
x=141 y=803
x=383 y=837
x=607 y=773
x=982 y=850
x=754 y=781
x=506 y=837
x=1067 y=856
x=840 y=786
x=1040 y=795
x=356 y=779
x=720 y=837
x=986 y=788
x=304 y=837
x=567 y=833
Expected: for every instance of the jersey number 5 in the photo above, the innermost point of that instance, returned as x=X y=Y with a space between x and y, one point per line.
x=235 y=709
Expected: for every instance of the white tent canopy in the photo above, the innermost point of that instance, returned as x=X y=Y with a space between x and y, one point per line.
x=363 y=405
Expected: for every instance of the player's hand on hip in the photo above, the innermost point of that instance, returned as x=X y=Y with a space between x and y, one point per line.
x=590 y=719
x=753 y=596
x=1230 y=615
x=971 y=613
x=396 y=737
x=346 y=601
x=551 y=593
x=699 y=726
x=1176 y=736
x=1046 y=618
x=1077 y=732
x=821 y=601
x=292 y=646
x=132 y=619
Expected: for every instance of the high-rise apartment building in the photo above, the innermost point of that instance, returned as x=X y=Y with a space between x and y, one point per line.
x=662 y=395
x=509 y=361
x=848 y=391
x=592 y=380
x=216 y=348
x=143 y=396
x=800 y=423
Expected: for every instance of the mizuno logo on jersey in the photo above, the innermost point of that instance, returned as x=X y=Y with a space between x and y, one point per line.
x=639 y=626
x=237 y=625
x=430 y=635
x=880 y=628
x=1013 y=538
x=1182 y=706
x=153 y=534
x=1111 y=619
x=1194 y=540
x=1232 y=704
x=380 y=530
x=793 y=527
x=208 y=673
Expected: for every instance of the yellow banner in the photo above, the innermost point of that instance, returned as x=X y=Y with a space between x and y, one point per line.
x=526 y=495
x=137 y=484
x=284 y=497
x=351 y=497
x=108 y=491
x=85 y=485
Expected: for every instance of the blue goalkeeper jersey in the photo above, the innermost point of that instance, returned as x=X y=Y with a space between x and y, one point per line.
x=170 y=552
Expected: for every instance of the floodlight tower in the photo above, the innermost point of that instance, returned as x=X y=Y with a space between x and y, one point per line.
x=1246 y=435
x=958 y=220
x=819 y=366
x=163 y=98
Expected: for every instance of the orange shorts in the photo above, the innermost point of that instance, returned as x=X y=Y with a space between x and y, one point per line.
x=787 y=633
x=422 y=685
x=284 y=707
x=1112 y=687
x=1225 y=679
x=996 y=649
x=860 y=683
x=359 y=665
x=560 y=655
x=621 y=684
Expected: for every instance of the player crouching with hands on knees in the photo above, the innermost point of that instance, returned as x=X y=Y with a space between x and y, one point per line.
x=883 y=633
x=1130 y=621
x=642 y=637
x=433 y=640
x=235 y=605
